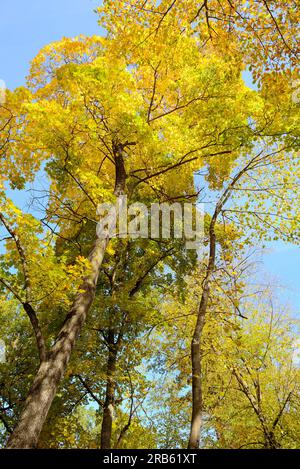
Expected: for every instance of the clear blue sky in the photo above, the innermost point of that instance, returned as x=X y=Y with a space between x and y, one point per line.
x=26 y=26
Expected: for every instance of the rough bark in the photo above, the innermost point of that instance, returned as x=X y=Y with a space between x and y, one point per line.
x=51 y=369
x=109 y=404
x=197 y=339
x=194 y=438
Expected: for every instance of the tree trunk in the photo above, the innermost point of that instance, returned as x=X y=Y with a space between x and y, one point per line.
x=196 y=342
x=109 y=404
x=194 y=439
x=51 y=371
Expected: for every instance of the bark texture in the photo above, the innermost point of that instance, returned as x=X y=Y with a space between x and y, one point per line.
x=54 y=364
x=197 y=405
x=197 y=340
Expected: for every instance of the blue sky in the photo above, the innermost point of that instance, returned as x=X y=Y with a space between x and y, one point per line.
x=26 y=26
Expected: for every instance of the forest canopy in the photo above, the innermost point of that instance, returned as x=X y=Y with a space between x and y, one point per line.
x=122 y=340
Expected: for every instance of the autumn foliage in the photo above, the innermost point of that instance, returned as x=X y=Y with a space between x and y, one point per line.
x=140 y=343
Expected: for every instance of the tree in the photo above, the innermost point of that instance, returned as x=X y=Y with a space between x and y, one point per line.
x=281 y=222
x=264 y=382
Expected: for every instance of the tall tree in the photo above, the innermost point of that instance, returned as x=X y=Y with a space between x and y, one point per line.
x=139 y=113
